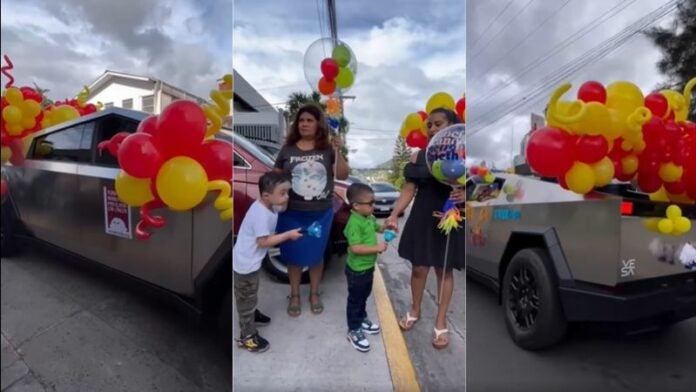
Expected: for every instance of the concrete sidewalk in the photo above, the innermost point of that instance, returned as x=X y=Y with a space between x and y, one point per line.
x=67 y=328
x=311 y=352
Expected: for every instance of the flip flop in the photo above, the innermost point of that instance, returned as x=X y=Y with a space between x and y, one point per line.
x=318 y=307
x=294 y=310
x=440 y=336
x=407 y=322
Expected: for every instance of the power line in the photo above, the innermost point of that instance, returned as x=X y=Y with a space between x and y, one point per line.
x=581 y=32
x=575 y=65
x=487 y=45
x=483 y=33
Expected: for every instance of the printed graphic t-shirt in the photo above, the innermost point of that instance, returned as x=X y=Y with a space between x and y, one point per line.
x=312 y=177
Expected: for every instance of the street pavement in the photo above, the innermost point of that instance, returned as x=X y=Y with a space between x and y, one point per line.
x=589 y=360
x=70 y=328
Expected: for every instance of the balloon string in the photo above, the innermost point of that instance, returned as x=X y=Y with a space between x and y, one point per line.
x=216 y=113
x=147 y=220
x=82 y=96
x=224 y=201
x=5 y=71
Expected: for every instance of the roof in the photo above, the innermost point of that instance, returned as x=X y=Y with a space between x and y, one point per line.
x=244 y=92
x=108 y=75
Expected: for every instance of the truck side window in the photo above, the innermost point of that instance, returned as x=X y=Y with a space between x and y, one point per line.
x=63 y=146
x=104 y=130
x=239 y=162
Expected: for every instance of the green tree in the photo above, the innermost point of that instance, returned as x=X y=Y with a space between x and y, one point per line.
x=400 y=158
x=677 y=44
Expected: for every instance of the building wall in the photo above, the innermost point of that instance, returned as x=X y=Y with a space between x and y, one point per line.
x=122 y=89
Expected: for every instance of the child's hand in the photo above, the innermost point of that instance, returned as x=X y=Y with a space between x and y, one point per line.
x=294 y=234
x=382 y=247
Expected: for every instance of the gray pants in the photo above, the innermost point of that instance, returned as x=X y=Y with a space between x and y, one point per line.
x=246 y=288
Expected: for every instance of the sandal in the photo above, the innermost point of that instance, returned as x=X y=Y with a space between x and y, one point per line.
x=407 y=322
x=441 y=339
x=294 y=310
x=318 y=307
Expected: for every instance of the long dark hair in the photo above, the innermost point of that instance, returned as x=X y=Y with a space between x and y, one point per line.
x=321 y=138
x=451 y=116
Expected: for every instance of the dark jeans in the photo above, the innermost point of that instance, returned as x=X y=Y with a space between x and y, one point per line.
x=359 y=288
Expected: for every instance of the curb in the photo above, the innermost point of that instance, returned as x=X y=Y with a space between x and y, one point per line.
x=403 y=374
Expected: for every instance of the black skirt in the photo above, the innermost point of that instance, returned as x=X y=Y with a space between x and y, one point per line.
x=422 y=243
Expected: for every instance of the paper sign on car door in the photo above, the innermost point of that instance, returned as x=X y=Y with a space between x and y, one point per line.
x=116 y=215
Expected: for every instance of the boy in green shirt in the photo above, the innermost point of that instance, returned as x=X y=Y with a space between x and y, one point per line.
x=361 y=233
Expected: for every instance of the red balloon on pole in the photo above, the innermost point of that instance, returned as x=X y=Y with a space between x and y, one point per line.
x=139 y=157
x=216 y=158
x=329 y=68
x=551 y=152
x=181 y=125
x=326 y=87
x=592 y=92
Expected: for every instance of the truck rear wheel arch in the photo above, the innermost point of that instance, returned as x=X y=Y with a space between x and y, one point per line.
x=544 y=238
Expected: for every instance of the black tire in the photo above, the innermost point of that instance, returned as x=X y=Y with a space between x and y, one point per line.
x=225 y=322
x=9 y=246
x=531 y=305
x=278 y=270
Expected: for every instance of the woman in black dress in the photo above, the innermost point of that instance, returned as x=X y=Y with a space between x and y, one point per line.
x=422 y=243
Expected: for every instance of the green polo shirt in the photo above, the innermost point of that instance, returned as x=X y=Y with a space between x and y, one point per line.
x=361 y=230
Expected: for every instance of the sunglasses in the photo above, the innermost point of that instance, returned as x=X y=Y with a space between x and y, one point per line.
x=366 y=203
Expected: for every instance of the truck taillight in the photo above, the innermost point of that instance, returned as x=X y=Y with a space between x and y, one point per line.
x=626 y=208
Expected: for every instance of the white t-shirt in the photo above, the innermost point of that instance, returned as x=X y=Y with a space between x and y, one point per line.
x=259 y=221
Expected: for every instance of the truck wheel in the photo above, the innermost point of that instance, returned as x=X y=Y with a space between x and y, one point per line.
x=533 y=313
x=278 y=270
x=9 y=242
x=225 y=322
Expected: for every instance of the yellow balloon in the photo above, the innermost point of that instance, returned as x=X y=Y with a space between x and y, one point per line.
x=489 y=178
x=651 y=223
x=182 y=183
x=14 y=129
x=31 y=108
x=669 y=172
x=680 y=198
x=674 y=212
x=580 y=178
x=665 y=226
x=660 y=195
x=413 y=121
x=682 y=225
x=603 y=172
x=14 y=96
x=625 y=97
x=28 y=122
x=12 y=114
x=5 y=154
x=629 y=164
x=596 y=120
x=676 y=104
x=439 y=100
x=133 y=191
x=66 y=113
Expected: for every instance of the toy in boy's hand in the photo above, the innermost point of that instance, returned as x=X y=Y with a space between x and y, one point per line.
x=314 y=230
x=389 y=235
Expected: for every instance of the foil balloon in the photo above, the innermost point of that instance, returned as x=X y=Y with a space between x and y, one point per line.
x=330 y=67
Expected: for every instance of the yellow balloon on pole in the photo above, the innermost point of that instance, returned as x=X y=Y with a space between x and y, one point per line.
x=440 y=100
x=182 y=183
x=625 y=97
x=665 y=226
x=133 y=191
x=674 y=212
x=682 y=225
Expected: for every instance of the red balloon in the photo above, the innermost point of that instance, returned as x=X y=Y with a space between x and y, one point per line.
x=649 y=183
x=181 y=125
x=675 y=188
x=672 y=131
x=592 y=92
x=562 y=182
x=416 y=139
x=148 y=125
x=30 y=93
x=551 y=152
x=216 y=158
x=329 y=68
x=653 y=130
x=591 y=149
x=138 y=156
x=657 y=103
x=423 y=115
x=689 y=180
x=461 y=105
x=326 y=87
x=113 y=144
x=3 y=187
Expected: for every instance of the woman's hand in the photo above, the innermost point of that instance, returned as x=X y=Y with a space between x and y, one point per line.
x=392 y=223
x=337 y=142
x=458 y=196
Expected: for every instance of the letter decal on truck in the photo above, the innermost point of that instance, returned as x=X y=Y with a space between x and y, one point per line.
x=628 y=268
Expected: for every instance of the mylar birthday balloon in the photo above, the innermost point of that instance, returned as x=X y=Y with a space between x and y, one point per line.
x=445 y=155
x=330 y=68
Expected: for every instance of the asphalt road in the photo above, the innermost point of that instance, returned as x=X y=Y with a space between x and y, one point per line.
x=589 y=360
x=70 y=328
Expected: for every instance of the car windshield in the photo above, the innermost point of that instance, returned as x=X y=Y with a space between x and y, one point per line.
x=259 y=153
x=383 y=188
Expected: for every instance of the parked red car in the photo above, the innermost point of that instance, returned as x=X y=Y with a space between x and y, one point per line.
x=250 y=162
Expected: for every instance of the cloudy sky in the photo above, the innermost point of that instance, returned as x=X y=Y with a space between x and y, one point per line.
x=406 y=51
x=516 y=49
x=63 y=45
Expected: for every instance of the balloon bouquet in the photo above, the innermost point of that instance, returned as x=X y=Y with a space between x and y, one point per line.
x=173 y=160
x=446 y=158
x=615 y=132
x=414 y=128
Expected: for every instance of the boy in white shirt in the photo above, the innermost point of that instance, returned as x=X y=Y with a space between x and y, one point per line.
x=256 y=235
